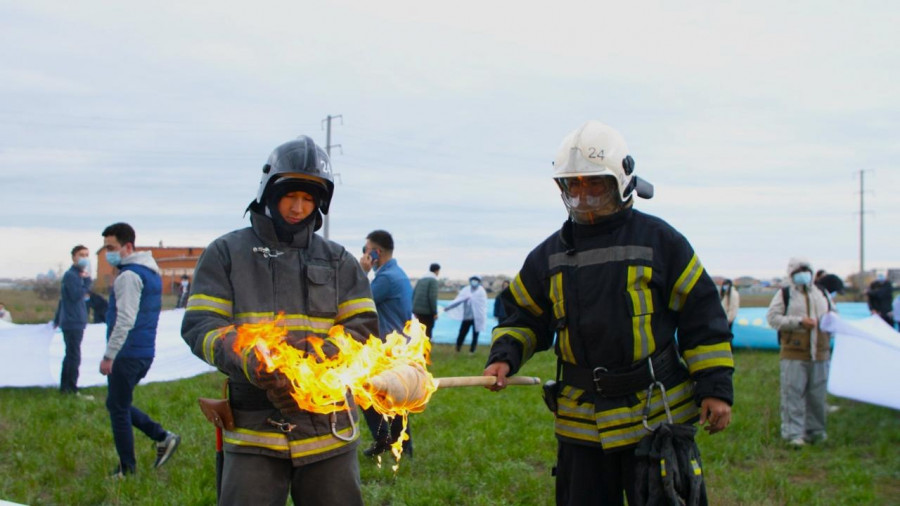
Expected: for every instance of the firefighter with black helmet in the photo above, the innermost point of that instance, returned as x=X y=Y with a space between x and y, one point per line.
x=608 y=292
x=279 y=265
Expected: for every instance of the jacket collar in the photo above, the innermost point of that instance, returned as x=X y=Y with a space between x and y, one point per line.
x=265 y=230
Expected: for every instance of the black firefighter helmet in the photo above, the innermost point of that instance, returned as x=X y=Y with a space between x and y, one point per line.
x=299 y=160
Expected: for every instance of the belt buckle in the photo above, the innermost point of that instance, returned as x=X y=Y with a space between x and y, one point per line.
x=597 y=376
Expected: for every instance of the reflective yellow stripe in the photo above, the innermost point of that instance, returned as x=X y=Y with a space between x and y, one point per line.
x=685 y=283
x=570 y=407
x=642 y=302
x=634 y=414
x=244 y=356
x=354 y=307
x=557 y=298
x=633 y=434
x=279 y=442
x=523 y=299
x=524 y=335
x=209 y=343
x=296 y=322
x=574 y=430
x=575 y=420
x=696 y=466
x=705 y=357
x=320 y=444
x=245 y=437
x=565 y=346
x=200 y=302
x=662 y=467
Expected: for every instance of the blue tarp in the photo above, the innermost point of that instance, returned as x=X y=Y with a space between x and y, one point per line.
x=750 y=328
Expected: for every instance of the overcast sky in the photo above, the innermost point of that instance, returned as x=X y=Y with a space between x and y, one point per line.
x=752 y=120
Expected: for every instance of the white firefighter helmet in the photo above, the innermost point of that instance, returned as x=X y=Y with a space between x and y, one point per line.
x=596 y=149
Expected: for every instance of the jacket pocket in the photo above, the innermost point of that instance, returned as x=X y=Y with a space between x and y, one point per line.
x=321 y=289
x=794 y=344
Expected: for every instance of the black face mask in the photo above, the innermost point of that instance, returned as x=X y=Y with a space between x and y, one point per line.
x=286 y=231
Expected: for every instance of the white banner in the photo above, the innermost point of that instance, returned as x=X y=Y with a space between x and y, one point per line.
x=31 y=355
x=864 y=364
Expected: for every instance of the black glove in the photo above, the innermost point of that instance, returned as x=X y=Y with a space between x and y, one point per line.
x=278 y=390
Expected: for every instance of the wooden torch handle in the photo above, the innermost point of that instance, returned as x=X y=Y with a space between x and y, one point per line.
x=483 y=381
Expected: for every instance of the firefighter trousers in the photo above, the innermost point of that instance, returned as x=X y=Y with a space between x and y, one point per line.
x=261 y=480
x=587 y=476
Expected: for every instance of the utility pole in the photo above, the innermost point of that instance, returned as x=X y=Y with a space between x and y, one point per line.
x=862 y=248
x=328 y=146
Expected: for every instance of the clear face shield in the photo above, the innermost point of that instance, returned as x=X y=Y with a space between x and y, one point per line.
x=589 y=198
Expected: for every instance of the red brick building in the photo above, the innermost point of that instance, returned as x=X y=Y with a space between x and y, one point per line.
x=173 y=263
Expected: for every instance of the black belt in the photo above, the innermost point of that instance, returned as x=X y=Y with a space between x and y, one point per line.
x=248 y=397
x=626 y=380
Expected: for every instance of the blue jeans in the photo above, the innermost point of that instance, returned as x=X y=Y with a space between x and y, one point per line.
x=68 y=381
x=126 y=373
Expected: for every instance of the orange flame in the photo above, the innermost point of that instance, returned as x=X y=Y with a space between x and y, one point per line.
x=321 y=380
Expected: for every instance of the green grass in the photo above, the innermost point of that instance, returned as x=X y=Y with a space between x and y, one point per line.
x=473 y=447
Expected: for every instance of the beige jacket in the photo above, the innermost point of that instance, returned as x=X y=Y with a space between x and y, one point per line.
x=731 y=302
x=797 y=342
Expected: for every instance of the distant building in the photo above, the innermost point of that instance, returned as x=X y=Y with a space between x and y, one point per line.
x=173 y=263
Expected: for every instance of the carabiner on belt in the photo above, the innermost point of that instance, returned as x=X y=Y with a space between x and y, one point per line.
x=282 y=426
x=662 y=391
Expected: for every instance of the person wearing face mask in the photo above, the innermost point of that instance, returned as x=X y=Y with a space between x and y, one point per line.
x=731 y=301
x=795 y=312
x=279 y=265
x=608 y=292
x=131 y=320
x=72 y=316
x=470 y=306
x=879 y=296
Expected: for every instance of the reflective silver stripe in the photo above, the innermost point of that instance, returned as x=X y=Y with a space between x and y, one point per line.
x=200 y=302
x=291 y=322
x=245 y=437
x=321 y=444
x=575 y=430
x=354 y=307
x=522 y=297
x=642 y=302
x=633 y=414
x=524 y=335
x=209 y=343
x=633 y=434
x=601 y=256
x=685 y=283
x=704 y=357
x=572 y=409
x=279 y=442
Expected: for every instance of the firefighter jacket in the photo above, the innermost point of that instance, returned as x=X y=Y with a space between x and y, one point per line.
x=247 y=276
x=613 y=294
x=795 y=341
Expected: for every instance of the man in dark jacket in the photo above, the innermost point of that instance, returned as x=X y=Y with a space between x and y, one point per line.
x=611 y=289
x=72 y=316
x=279 y=265
x=425 y=297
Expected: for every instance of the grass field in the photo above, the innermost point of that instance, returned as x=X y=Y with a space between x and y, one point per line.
x=473 y=447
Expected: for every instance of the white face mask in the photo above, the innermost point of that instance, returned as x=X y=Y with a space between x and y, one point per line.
x=802 y=278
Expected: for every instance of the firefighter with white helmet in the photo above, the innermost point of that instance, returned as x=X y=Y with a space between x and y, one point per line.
x=608 y=292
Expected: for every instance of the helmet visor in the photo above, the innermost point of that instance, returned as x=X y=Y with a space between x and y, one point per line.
x=590 y=197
